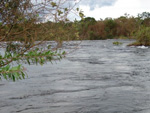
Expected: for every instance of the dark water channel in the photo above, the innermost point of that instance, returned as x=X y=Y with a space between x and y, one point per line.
x=99 y=77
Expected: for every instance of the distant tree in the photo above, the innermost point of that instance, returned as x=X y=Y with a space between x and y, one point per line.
x=143 y=32
x=126 y=26
x=142 y=37
x=144 y=19
x=84 y=26
x=102 y=34
x=144 y=15
x=110 y=26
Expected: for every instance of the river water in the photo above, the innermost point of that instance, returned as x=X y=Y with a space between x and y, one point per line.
x=98 y=77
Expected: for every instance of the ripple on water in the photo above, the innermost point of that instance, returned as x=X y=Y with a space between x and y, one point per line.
x=97 y=78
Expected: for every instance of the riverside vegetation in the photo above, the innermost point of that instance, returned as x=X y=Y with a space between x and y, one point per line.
x=27 y=25
x=124 y=27
x=23 y=28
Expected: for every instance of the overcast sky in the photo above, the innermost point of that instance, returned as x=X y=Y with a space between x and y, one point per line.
x=113 y=8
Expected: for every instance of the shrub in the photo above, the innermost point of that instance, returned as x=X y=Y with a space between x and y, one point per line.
x=142 y=37
x=117 y=43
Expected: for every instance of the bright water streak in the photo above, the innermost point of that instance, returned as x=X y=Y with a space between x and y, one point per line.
x=99 y=77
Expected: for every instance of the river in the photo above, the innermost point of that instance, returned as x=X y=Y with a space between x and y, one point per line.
x=98 y=77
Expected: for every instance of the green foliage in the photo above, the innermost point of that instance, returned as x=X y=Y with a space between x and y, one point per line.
x=117 y=43
x=12 y=73
x=143 y=36
x=86 y=22
x=84 y=27
x=81 y=14
x=92 y=35
x=110 y=25
x=53 y=4
x=59 y=12
x=36 y=56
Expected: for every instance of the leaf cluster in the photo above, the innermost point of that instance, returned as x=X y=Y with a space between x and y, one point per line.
x=36 y=56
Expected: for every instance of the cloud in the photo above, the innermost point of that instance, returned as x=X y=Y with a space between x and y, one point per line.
x=97 y=3
x=119 y=8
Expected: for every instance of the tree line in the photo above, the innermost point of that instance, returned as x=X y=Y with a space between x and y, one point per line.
x=123 y=27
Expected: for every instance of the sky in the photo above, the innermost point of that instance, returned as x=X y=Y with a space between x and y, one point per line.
x=113 y=8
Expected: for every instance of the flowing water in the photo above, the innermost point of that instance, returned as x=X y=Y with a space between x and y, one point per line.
x=99 y=77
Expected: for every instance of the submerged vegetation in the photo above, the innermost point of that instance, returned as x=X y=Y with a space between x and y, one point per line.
x=117 y=43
